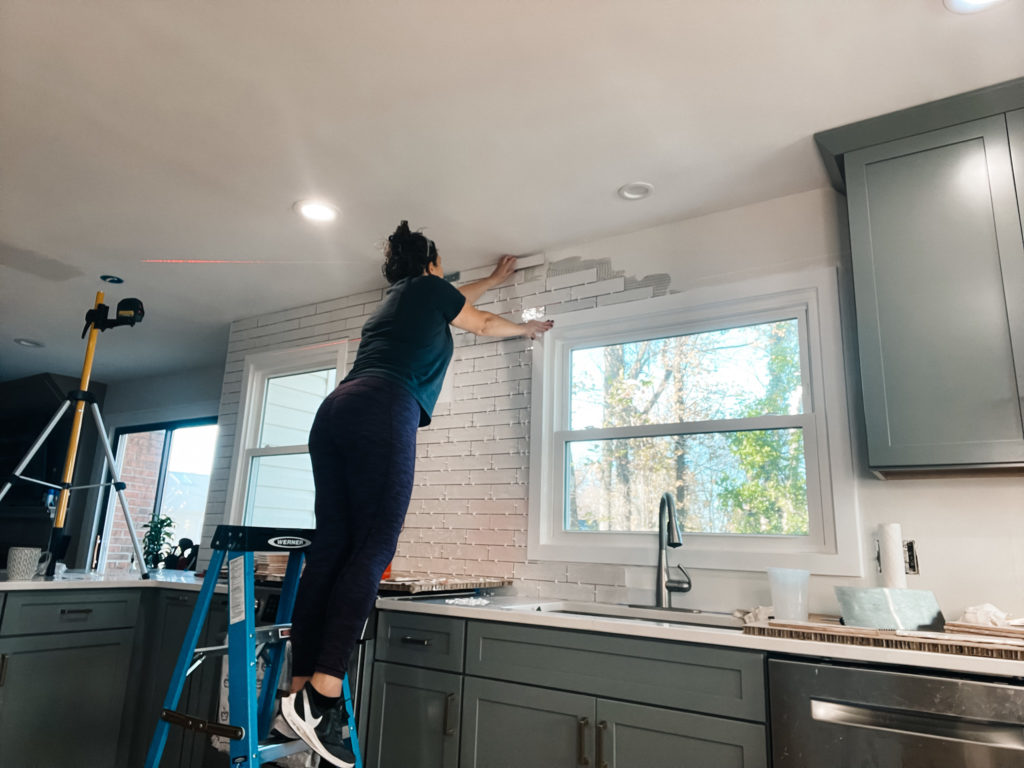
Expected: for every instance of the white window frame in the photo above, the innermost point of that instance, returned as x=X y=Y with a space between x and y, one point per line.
x=832 y=546
x=256 y=369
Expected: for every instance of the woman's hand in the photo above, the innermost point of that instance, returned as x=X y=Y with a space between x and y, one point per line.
x=534 y=328
x=505 y=269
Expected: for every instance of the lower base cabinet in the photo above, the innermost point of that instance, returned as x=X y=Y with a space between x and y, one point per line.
x=506 y=725
x=78 y=680
x=414 y=718
x=165 y=618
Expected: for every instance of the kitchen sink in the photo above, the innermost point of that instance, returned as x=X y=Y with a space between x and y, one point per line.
x=688 y=616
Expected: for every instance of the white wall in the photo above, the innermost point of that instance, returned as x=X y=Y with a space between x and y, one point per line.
x=468 y=514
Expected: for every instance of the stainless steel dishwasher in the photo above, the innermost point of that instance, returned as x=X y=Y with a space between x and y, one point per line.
x=825 y=716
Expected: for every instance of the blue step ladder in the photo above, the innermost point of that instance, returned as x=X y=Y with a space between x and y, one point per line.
x=250 y=718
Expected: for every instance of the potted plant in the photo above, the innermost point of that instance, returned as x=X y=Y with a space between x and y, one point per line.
x=157 y=540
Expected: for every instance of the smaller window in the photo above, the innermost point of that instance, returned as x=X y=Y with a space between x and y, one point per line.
x=272 y=475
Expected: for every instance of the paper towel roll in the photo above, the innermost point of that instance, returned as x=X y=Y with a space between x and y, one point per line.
x=890 y=556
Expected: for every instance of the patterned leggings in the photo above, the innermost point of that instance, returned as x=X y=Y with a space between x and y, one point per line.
x=363 y=449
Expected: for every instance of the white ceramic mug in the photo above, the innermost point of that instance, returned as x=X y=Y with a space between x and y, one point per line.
x=24 y=563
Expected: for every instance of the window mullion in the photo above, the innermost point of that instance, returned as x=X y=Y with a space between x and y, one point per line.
x=784 y=421
x=276 y=450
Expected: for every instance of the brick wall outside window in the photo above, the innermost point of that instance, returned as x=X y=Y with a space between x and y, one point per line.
x=140 y=472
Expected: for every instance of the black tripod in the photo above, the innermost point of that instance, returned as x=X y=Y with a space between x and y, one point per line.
x=129 y=312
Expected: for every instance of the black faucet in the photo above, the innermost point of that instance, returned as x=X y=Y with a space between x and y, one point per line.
x=668 y=536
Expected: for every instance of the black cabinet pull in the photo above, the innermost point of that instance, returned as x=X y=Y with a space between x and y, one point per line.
x=601 y=728
x=75 y=613
x=449 y=730
x=581 y=741
x=410 y=640
x=3 y=669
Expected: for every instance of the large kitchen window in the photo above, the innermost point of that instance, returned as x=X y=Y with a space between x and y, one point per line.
x=731 y=399
x=272 y=480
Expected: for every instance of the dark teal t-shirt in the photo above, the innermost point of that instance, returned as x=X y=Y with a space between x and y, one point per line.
x=408 y=339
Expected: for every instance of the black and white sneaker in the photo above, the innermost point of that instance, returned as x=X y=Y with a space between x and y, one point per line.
x=314 y=726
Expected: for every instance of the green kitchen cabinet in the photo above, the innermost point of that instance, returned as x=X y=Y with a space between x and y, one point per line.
x=414 y=718
x=486 y=694
x=934 y=196
x=506 y=725
x=938 y=267
x=64 y=666
x=164 y=618
x=77 y=681
x=629 y=735
x=509 y=725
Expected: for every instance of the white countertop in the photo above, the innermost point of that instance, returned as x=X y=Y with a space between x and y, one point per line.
x=119 y=579
x=519 y=610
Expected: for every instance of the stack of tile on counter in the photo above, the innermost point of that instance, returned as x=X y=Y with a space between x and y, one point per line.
x=416 y=584
x=270 y=566
x=959 y=638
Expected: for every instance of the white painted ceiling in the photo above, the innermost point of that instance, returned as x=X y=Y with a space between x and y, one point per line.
x=150 y=129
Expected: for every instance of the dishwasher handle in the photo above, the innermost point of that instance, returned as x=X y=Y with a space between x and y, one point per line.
x=919 y=723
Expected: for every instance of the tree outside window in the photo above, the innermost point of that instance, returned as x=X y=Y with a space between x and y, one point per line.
x=699 y=399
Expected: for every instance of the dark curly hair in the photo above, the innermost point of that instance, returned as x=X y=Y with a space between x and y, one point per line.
x=407 y=254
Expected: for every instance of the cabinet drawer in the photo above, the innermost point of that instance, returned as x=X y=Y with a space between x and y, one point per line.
x=424 y=641
x=697 y=678
x=37 y=613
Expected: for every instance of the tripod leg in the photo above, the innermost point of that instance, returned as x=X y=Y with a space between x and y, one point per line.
x=35 y=446
x=112 y=464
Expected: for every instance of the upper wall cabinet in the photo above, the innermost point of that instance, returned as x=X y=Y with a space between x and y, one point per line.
x=938 y=266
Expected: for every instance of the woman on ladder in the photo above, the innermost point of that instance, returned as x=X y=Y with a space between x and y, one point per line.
x=362 y=446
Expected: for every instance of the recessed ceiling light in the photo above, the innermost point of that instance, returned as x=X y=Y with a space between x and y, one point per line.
x=30 y=343
x=319 y=211
x=969 y=6
x=636 y=190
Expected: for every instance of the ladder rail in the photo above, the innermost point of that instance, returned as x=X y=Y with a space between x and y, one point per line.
x=285 y=607
x=177 y=684
x=242 y=658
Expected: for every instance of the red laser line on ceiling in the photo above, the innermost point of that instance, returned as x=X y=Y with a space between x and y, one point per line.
x=229 y=261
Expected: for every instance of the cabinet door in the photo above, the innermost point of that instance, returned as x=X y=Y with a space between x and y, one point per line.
x=61 y=698
x=203 y=689
x=170 y=617
x=934 y=229
x=510 y=726
x=630 y=735
x=414 y=718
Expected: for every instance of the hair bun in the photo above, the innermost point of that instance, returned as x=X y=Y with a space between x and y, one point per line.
x=401 y=232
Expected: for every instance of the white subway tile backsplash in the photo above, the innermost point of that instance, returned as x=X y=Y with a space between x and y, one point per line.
x=541 y=571
x=611 y=575
x=554 y=590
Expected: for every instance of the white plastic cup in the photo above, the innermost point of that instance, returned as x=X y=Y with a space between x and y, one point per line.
x=789 y=593
x=24 y=563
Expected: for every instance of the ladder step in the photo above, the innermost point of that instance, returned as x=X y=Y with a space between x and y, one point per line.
x=204 y=726
x=272 y=633
x=270 y=752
